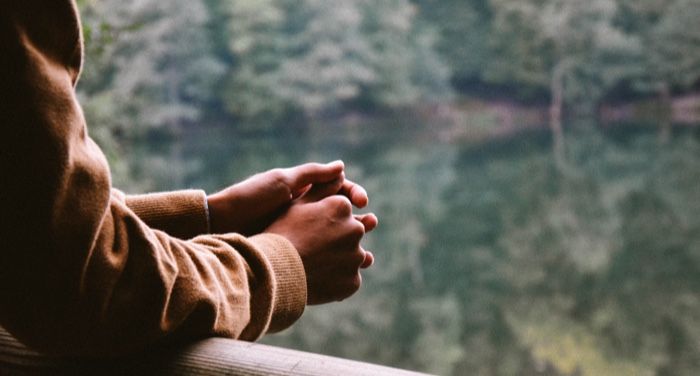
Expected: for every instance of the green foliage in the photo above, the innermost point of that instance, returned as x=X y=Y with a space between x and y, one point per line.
x=536 y=40
x=668 y=54
x=463 y=26
x=596 y=45
x=148 y=65
x=321 y=55
x=158 y=66
x=593 y=271
x=674 y=51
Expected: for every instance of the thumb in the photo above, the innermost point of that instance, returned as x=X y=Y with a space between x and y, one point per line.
x=301 y=177
x=320 y=191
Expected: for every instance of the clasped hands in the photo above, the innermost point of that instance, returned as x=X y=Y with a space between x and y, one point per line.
x=310 y=205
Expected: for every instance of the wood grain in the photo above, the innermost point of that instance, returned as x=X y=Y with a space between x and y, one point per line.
x=214 y=356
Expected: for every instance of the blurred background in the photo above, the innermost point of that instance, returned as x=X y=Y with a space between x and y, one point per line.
x=535 y=164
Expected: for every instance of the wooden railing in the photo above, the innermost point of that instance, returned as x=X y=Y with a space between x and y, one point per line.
x=214 y=356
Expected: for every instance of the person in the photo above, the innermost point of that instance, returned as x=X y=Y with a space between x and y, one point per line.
x=89 y=271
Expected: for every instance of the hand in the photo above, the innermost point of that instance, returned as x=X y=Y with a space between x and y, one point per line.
x=321 y=226
x=250 y=206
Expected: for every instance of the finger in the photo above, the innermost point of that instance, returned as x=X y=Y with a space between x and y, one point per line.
x=369 y=260
x=370 y=221
x=301 y=177
x=300 y=192
x=356 y=193
x=320 y=191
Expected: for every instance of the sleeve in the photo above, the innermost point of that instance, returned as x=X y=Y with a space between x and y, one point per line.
x=80 y=272
x=183 y=214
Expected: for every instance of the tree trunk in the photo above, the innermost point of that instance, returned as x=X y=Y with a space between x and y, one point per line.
x=555 y=112
x=665 y=113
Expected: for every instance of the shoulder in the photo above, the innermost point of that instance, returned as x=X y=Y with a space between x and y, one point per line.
x=50 y=26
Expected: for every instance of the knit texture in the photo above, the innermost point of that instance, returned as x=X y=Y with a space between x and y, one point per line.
x=181 y=214
x=87 y=270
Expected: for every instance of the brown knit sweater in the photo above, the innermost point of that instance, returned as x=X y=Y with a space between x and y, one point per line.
x=86 y=270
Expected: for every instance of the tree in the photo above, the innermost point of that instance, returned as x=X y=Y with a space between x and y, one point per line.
x=570 y=47
x=462 y=26
x=668 y=56
x=148 y=65
x=675 y=55
x=317 y=55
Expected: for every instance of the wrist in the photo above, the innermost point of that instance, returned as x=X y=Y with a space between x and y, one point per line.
x=214 y=208
x=224 y=209
x=207 y=214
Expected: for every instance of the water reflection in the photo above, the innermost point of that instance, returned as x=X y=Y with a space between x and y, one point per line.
x=490 y=258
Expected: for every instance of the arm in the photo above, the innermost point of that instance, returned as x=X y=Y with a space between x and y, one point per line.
x=80 y=272
x=246 y=208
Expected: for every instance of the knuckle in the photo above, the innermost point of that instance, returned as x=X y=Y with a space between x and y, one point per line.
x=279 y=179
x=341 y=205
x=353 y=258
x=358 y=258
x=278 y=176
x=357 y=230
x=351 y=235
x=355 y=283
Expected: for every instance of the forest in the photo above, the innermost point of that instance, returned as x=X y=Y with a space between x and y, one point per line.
x=534 y=163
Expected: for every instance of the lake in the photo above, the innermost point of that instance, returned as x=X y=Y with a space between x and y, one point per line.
x=490 y=258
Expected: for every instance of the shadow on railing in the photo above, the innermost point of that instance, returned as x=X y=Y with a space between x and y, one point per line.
x=214 y=356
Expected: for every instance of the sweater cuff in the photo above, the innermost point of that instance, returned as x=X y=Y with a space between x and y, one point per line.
x=182 y=214
x=290 y=280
